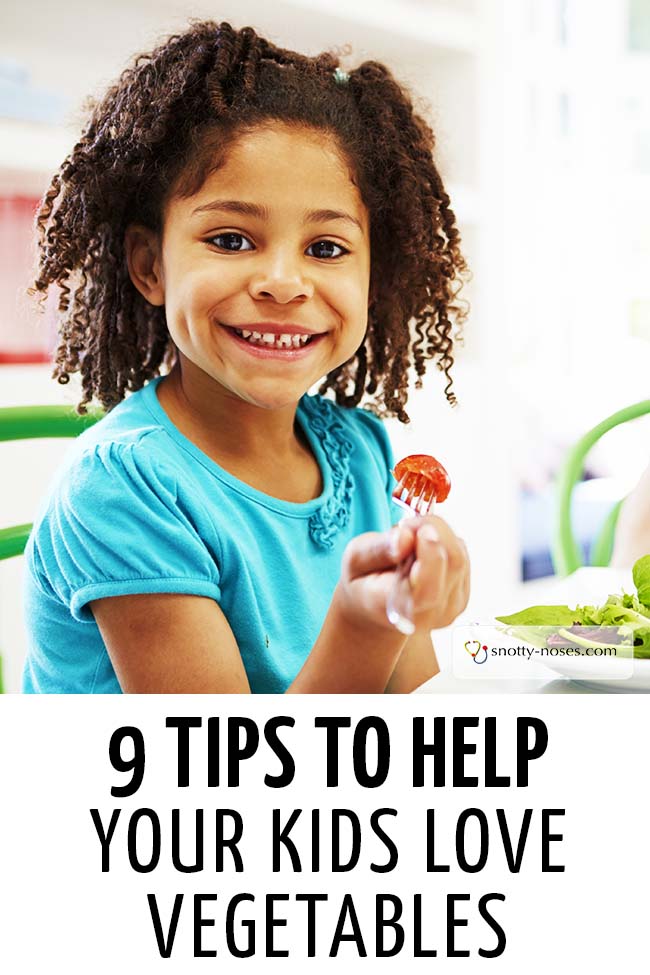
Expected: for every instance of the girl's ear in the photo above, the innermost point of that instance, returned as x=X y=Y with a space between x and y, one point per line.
x=142 y=250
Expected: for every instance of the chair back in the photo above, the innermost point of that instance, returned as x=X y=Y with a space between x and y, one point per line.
x=30 y=423
x=565 y=550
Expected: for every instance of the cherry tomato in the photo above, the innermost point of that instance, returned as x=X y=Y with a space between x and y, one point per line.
x=430 y=468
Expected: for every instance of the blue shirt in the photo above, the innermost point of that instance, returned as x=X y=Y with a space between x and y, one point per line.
x=138 y=508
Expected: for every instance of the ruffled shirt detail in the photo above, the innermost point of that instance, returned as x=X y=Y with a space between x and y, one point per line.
x=334 y=514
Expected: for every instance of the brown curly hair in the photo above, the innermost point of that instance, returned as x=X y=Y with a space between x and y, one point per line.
x=158 y=130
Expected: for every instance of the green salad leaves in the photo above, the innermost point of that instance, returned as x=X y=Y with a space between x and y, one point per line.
x=623 y=619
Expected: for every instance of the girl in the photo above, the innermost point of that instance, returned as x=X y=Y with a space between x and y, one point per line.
x=236 y=223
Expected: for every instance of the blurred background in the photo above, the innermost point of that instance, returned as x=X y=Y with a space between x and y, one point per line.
x=542 y=114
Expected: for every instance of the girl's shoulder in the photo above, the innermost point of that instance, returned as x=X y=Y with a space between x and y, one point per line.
x=126 y=451
x=136 y=425
x=131 y=421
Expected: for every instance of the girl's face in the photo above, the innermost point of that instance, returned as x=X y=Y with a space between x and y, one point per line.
x=276 y=242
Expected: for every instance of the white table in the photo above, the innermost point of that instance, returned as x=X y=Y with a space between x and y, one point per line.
x=589 y=585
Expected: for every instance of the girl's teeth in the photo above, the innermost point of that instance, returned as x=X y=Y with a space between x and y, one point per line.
x=268 y=338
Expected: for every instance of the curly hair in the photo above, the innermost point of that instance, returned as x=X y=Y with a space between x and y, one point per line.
x=157 y=131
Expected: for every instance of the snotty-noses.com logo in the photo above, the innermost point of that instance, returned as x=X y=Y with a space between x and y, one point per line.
x=532 y=654
x=478 y=651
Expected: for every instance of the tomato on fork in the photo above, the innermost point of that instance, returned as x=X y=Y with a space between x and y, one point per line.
x=416 y=467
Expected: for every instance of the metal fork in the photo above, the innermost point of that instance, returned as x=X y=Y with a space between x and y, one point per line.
x=414 y=492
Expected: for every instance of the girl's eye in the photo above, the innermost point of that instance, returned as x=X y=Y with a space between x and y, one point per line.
x=326 y=249
x=231 y=242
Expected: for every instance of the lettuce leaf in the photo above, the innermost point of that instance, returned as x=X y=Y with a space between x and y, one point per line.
x=545 y=619
x=541 y=616
x=629 y=613
x=641 y=577
x=612 y=613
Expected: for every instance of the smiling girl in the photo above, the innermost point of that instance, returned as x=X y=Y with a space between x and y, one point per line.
x=236 y=224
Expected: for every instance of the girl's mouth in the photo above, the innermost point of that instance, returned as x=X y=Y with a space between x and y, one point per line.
x=271 y=345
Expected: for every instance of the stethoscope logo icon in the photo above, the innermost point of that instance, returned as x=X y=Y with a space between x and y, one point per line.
x=475 y=649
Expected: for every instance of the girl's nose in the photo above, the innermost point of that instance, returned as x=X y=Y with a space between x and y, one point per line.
x=282 y=280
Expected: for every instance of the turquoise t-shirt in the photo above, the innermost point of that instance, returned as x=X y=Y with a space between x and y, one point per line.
x=139 y=508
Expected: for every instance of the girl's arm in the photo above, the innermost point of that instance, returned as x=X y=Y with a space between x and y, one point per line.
x=178 y=644
x=173 y=643
x=170 y=643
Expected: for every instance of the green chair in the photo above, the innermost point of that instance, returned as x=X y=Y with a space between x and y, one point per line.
x=565 y=550
x=31 y=423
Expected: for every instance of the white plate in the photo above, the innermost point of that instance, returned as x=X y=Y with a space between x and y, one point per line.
x=612 y=677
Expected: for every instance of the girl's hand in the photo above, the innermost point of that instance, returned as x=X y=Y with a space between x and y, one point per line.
x=439 y=577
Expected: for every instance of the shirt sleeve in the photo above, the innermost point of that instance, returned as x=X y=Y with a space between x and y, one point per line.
x=382 y=450
x=114 y=527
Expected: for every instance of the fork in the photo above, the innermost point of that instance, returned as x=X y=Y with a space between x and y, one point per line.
x=415 y=493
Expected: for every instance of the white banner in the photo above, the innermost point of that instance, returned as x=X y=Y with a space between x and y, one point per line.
x=144 y=833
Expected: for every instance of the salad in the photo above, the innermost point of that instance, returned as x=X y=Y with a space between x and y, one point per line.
x=622 y=620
